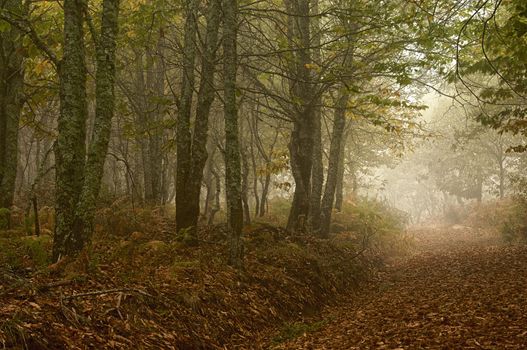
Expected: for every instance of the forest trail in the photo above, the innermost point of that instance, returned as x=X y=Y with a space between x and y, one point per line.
x=459 y=289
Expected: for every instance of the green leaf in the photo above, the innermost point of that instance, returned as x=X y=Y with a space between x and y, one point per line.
x=4 y=26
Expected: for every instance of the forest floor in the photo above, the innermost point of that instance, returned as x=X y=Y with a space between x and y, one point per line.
x=459 y=289
x=445 y=287
x=151 y=291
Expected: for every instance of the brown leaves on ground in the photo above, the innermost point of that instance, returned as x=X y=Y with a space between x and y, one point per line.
x=150 y=291
x=459 y=291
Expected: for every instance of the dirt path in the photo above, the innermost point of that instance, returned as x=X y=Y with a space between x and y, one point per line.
x=459 y=290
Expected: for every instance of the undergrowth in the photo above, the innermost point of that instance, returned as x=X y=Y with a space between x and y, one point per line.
x=374 y=224
x=187 y=295
x=504 y=217
x=515 y=226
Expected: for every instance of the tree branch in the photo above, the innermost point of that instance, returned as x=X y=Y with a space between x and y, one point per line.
x=25 y=27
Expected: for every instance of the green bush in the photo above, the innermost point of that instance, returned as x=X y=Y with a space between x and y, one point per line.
x=29 y=223
x=514 y=227
x=374 y=223
x=38 y=249
x=4 y=218
x=279 y=208
x=9 y=255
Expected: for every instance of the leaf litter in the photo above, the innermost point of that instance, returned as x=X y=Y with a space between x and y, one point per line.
x=460 y=289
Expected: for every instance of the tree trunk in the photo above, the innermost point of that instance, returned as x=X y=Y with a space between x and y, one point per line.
x=156 y=110
x=265 y=193
x=301 y=143
x=11 y=101
x=255 y=176
x=339 y=195
x=137 y=174
x=339 y=123
x=301 y=150
x=78 y=183
x=209 y=179
x=141 y=111
x=189 y=213
x=217 y=193
x=34 y=202
x=232 y=145
x=70 y=145
x=317 y=175
x=245 y=189
x=502 y=181
x=104 y=112
x=183 y=142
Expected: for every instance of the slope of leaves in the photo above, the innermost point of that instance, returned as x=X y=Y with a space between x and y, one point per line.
x=150 y=291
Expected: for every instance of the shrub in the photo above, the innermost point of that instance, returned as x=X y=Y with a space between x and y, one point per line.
x=514 y=227
x=374 y=223
x=38 y=249
x=10 y=257
x=279 y=208
x=121 y=219
x=4 y=218
x=47 y=218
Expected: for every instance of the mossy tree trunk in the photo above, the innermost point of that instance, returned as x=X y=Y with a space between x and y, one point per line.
x=79 y=175
x=11 y=102
x=104 y=112
x=206 y=95
x=232 y=143
x=70 y=148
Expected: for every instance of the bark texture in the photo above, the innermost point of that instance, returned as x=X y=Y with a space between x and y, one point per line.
x=189 y=186
x=184 y=138
x=79 y=174
x=301 y=142
x=339 y=195
x=232 y=143
x=11 y=102
x=104 y=112
x=339 y=123
x=317 y=175
x=70 y=149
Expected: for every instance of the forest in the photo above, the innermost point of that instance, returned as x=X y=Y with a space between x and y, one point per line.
x=281 y=174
